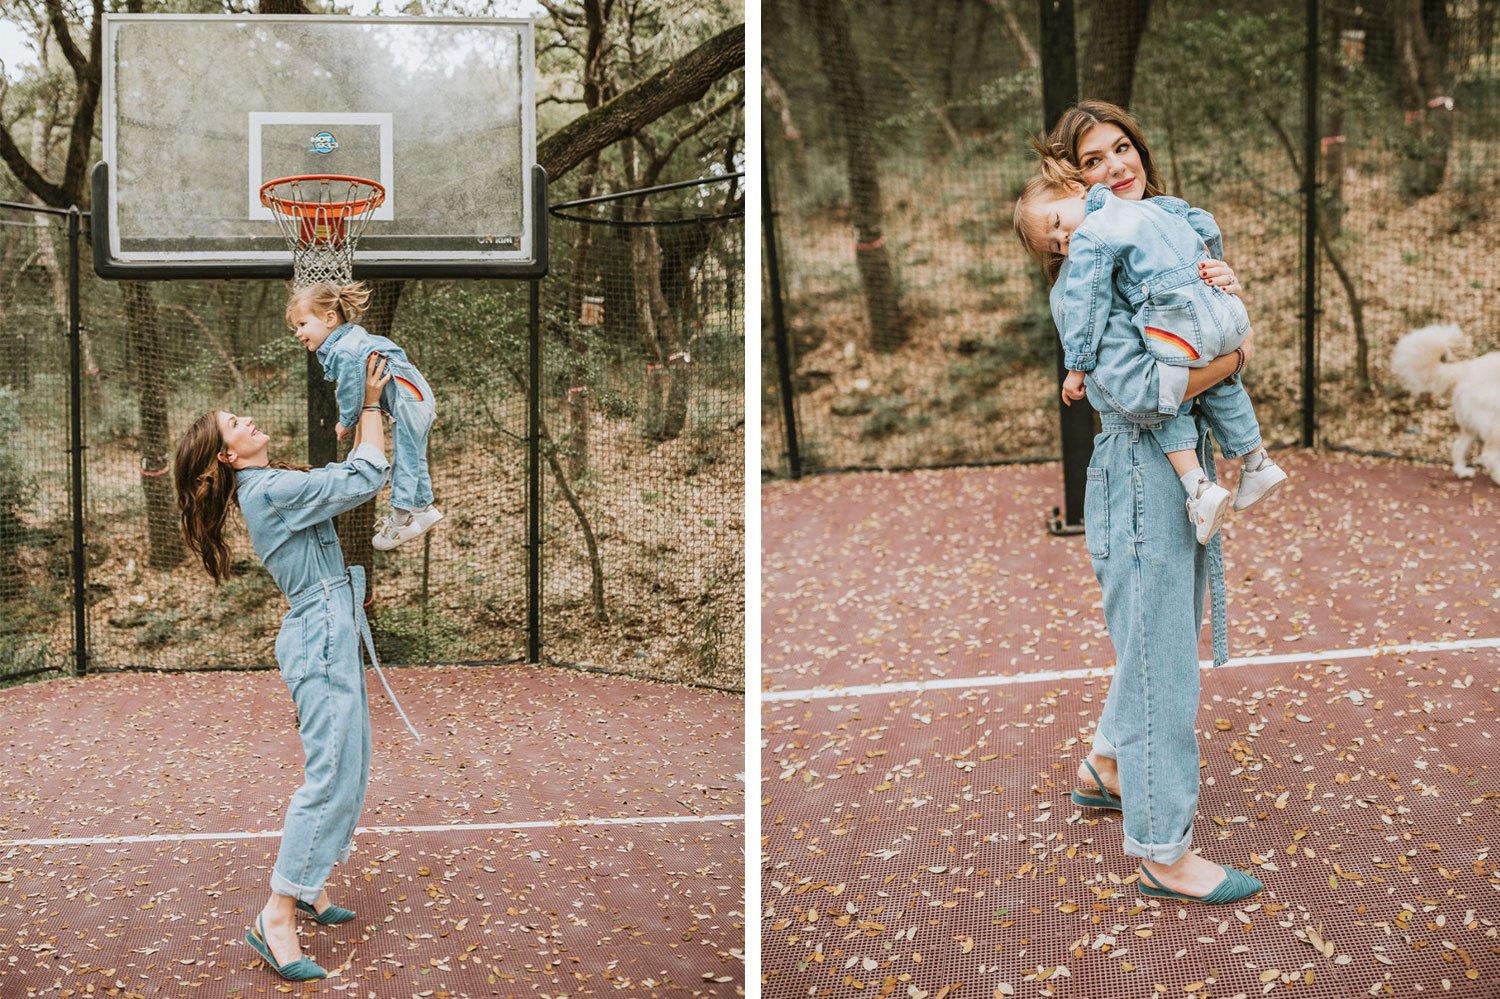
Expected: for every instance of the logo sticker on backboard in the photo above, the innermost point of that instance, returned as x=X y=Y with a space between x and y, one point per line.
x=323 y=142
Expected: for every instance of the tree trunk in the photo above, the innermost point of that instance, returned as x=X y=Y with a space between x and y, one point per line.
x=576 y=443
x=841 y=66
x=15 y=354
x=1424 y=85
x=1115 y=29
x=143 y=328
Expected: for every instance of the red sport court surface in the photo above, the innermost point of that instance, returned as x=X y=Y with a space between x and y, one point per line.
x=932 y=662
x=555 y=834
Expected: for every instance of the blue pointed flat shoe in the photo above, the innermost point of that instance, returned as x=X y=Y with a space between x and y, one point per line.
x=300 y=970
x=1101 y=799
x=331 y=916
x=1237 y=885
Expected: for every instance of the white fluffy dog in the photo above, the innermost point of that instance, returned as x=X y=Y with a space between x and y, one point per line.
x=1423 y=360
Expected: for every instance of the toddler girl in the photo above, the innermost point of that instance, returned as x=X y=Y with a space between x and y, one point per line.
x=323 y=316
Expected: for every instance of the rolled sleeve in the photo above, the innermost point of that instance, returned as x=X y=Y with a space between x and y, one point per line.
x=1172 y=385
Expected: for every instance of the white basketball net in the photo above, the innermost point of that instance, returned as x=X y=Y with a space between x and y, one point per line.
x=321 y=219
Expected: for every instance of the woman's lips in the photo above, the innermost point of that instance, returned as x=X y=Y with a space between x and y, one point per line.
x=1123 y=185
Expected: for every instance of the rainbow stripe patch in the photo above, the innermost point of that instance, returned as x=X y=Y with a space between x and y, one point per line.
x=418 y=392
x=1172 y=340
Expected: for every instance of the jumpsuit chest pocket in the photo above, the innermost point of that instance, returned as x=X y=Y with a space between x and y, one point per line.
x=1096 y=513
x=327 y=536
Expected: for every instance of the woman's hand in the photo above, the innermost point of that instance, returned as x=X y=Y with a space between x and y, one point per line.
x=376 y=378
x=1220 y=275
x=1249 y=338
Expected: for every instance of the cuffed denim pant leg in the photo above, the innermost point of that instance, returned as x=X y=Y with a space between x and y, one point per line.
x=411 y=484
x=1154 y=577
x=1230 y=413
x=320 y=660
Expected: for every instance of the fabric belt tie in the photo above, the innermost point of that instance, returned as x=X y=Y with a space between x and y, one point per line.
x=354 y=577
x=1114 y=423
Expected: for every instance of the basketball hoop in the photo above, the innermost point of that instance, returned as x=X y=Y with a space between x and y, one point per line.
x=322 y=217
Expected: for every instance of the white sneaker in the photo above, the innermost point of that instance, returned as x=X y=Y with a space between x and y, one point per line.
x=1257 y=485
x=1206 y=509
x=390 y=535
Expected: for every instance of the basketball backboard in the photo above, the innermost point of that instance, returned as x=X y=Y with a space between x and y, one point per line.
x=200 y=110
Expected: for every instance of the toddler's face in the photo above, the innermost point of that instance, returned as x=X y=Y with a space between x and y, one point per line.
x=1060 y=217
x=312 y=328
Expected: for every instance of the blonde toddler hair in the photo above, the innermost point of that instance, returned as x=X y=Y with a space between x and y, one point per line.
x=347 y=300
x=1058 y=179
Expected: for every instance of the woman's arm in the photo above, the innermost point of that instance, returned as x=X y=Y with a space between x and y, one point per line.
x=1202 y=379
x=1129 y=381
x=302 y=499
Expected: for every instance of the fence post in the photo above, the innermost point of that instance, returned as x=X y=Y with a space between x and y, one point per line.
x=75 y=449
x=1059 y=47
x=778 y=320
x=1310 y=153
x=534 y=479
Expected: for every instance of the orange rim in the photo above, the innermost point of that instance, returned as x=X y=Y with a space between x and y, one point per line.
x=323 y=209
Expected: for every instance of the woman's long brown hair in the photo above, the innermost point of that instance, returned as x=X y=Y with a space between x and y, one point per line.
x=1075 y=123
x=205 y=492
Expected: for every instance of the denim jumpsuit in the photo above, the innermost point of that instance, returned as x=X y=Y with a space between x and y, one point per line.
x=1147 y=253
x=1154 y=576
x=407 y=399
x=290 y=517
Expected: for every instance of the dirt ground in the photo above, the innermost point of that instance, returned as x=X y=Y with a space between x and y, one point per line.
x=968 y=386
x=669 y=520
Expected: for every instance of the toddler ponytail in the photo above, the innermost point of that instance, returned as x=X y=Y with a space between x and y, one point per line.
x=348 y=300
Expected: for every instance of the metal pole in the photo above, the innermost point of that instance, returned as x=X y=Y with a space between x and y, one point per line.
x=1059 y=92
x=75 y=432
x=1310 y=153
x=534 y=481
x=778 y=320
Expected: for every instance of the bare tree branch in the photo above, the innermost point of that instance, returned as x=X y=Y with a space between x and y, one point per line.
x=683 y=82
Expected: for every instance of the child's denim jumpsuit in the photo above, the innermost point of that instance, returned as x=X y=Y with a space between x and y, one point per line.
x=407 y=399
x=1147 y=253
x=290 y=517
x=1154 y=576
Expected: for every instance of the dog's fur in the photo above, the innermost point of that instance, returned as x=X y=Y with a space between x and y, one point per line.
x=1423 y=361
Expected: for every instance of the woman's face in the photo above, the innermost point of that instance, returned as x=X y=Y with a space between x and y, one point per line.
x=244 y=444
x=1107 y=156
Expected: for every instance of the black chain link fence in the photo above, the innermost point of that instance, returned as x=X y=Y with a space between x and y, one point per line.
x=897 y=138
x=642 y=486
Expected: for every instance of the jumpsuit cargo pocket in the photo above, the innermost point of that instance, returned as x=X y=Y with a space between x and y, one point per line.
x=1096 y=513
x=289 y=652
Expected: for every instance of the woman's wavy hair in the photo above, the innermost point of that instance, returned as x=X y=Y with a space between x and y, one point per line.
x=1076 y=122
x=348 y=300
x=205 y=492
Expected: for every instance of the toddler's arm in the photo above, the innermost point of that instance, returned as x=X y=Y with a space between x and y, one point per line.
x=1083 y=309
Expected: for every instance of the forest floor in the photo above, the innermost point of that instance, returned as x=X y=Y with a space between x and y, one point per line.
x=668 y=518
x=975 y=382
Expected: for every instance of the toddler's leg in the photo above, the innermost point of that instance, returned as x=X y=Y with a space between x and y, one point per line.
x=1235 y=427
x=1207 y=501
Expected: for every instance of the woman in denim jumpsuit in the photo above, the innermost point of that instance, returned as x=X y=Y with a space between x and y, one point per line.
x=289 y=513
x=1153 y=573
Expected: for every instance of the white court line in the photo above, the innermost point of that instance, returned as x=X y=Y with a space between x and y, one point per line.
x=950 y=683
x=374 y=830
